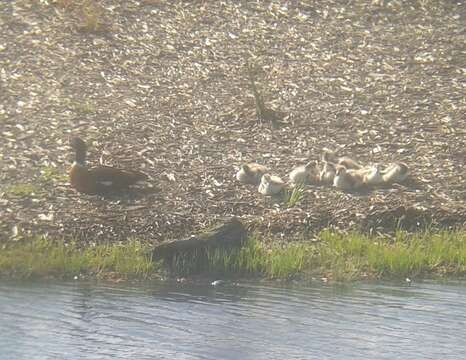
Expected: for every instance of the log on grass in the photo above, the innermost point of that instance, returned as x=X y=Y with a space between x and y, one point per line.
x=228 y=234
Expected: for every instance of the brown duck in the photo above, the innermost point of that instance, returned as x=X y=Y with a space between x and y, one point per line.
x=99 y=179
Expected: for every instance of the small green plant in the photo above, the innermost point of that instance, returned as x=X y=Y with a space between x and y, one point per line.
x=64 y=3
x=85 y=107
x=263 y=113
x=91 y=14
x=50 y=173
x=292 y=197
x=23 y=189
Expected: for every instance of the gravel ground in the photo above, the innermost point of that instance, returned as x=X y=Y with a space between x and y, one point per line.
x=162 y=87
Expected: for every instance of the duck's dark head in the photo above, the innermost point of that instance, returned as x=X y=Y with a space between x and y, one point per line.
x=80 y=148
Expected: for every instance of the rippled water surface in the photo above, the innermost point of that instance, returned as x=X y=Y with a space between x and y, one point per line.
x=235 y=321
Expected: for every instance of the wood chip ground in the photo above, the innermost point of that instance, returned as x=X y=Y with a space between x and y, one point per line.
x=162 y=87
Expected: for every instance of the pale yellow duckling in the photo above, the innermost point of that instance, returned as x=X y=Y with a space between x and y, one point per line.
x=251 y=173
x=396 y=173
x=373 y=176
x=346 y=180
x=327 y=174
x=304 y=174
x=271 y=185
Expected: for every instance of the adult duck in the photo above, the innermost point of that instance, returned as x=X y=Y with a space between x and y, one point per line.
x=99 y=179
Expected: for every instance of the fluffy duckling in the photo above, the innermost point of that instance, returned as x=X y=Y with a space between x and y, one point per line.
x=373 y=176
x=349 y=163
x=346 y=180
x=396 y=173
x=304 y=174
x=346 y=161
x=271 y=185
x=327 y=174
x=329 y=156
x=99 y=179
x=251 y=173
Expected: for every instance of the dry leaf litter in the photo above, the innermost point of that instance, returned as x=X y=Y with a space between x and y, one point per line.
x=161 y=86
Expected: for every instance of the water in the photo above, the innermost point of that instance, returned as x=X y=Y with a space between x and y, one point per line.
x=246 y=321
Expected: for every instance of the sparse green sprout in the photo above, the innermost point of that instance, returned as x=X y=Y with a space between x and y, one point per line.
x=263 y=113
x=64 y=3
x=50 y=173
x=23 y=189
x=292 y=196
x=85 y=107
x=92 y=14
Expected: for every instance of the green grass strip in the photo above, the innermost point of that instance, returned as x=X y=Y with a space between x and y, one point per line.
x=335 y=255
x=41 y=257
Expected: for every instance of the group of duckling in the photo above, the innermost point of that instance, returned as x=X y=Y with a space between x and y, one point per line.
x=342 y=173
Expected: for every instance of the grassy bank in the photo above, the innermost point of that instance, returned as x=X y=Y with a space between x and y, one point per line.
x=334 y=255
x=42 y=257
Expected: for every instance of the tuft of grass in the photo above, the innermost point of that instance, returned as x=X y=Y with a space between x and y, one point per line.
x=50 y=173
x=292 y=197
x=90 y=12
x=85 y=107
x=41 y=257
x=91 y=15
x=64 y=3
x=23 y=189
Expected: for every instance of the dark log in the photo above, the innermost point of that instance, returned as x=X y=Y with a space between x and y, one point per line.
x=228 y=234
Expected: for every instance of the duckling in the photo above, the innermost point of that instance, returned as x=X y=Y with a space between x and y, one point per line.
x=271 y=185
x=304 y=174
x=349 y=163
x=327 y=174
x=100 y=179
x=346 y=180
x=396 y=173
x=346 y=161
x=373 y=176
x=328 y=156
x=251 y=173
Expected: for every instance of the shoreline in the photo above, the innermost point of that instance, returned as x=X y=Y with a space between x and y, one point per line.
x=330 y=256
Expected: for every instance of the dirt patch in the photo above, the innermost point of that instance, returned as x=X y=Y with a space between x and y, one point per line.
x=161 y=86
